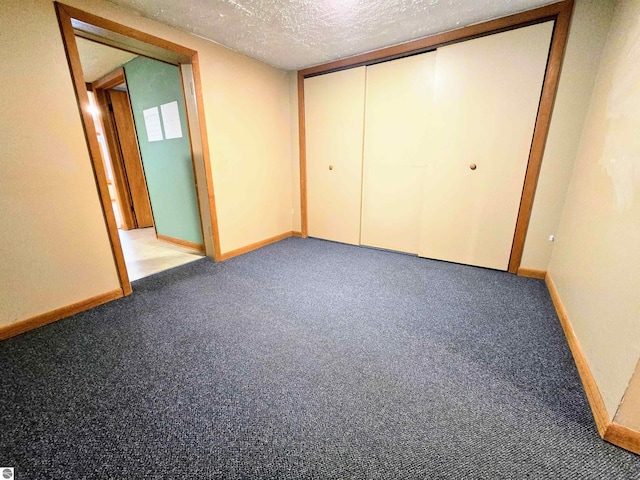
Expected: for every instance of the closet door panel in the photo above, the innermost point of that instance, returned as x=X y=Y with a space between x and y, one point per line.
x=486 y=97
x=398 y=115
x=334 y=111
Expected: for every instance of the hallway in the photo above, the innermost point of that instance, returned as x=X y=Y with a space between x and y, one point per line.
x=145 y=255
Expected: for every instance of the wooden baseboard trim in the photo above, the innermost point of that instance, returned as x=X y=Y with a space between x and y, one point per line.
x=255 y=246
x=598 y=408
x=58 y=314
x=611 y=432
x=623 y=437
x=297 y=234
x=198 y=247
x=532 y=273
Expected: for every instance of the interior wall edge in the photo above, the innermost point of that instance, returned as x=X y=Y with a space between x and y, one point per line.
x=200 y=159
x=302 y=155
x=296 y=207
x=590 y=24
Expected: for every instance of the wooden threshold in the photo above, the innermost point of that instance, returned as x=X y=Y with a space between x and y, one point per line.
x=255 y=246
x=199 y=247
x=58 y=314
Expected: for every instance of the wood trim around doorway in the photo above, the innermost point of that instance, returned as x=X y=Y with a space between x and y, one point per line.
x=541 y=131
x=100 y=90
x=559 y=12
x=73 y=57
x=110 y=80
x=65 y=15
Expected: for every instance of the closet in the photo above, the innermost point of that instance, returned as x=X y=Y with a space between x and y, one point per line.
x=396 y=153
x=334 y=106
x=427 y=154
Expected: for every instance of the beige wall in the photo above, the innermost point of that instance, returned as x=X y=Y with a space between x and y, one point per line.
x=249 y=127
x=595 y=262
x=54 y=245
x=587 y=37
x=55 y=249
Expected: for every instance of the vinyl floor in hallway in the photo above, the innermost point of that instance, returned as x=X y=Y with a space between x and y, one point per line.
x=145 y=255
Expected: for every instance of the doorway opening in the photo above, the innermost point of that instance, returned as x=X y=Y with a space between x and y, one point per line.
x=147 y=145
x=146 y=250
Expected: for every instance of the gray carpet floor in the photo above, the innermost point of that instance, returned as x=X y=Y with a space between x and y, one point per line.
x=305 y=359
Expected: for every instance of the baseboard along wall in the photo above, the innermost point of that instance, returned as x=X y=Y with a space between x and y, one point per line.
x=614 y=433
x=58 y=314
x=611 y=432
x=198 y=247
x=23 y=326
x=255 y=246
x=532 y=273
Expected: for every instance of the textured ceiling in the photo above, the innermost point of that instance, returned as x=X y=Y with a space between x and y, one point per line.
x=97 y=60
x=294 y=34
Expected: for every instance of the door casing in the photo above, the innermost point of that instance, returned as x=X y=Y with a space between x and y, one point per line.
x=130 y=197
x=73 y=21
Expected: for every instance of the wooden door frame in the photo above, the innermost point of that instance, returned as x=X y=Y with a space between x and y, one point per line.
x=559 y=12
x=121 y=112
x=100 y=88
x=66 y=15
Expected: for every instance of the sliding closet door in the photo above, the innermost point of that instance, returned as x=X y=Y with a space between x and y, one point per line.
x=334 y=111
x=486 y=97
x=398 y=120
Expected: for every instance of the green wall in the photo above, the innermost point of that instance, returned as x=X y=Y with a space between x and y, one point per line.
x=167 y=163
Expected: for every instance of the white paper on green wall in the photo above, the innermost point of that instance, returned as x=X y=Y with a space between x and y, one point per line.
x=171 y=120
x=152 y=124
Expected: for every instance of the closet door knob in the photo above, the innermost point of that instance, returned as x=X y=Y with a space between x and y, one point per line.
x=330 y=167
x=473 y=166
